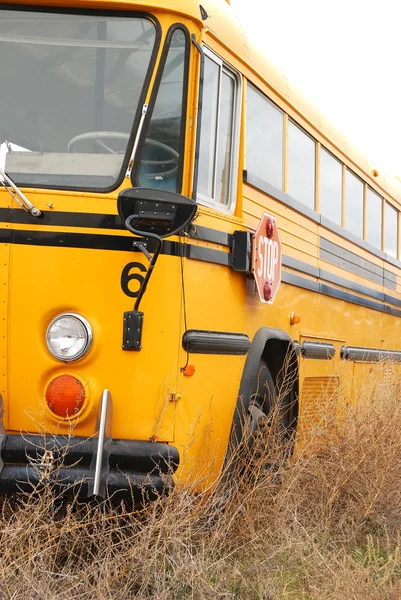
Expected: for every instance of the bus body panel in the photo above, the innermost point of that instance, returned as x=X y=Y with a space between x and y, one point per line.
x=79 y=258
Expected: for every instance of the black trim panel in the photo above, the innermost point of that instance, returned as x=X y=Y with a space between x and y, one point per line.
x=392 y=300
x=208 y=254
x=191 y=251
x=317 y=350
x=198 y=341
x=351 y=285
x=307 y=269
x=6 y=236
x=64 y=219
x=206 y=234
x=111 y=242
x=302 y=282
x=326 y=290
x=102 y=221
x=349 y=261
x=359 y=354
x=299 y=265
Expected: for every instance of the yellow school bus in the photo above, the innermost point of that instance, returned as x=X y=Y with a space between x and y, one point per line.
x=177 y=226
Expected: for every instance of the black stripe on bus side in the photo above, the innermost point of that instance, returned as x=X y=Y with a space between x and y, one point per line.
x=101 y=221
x=327 y=290
x=308 y=269
x=5 y=236
x=124 y=243
x=349 y=261
x=299 y=265
x=63 y=219
x=206 y=234
x=392 y=300
x=113 y=242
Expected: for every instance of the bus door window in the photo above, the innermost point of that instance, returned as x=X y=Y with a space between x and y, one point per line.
x=219 y=139
x=159 y=161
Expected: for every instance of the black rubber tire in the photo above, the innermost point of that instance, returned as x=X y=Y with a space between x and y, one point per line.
x=265 y=439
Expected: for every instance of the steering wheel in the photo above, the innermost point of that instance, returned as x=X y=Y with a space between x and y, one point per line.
x=170 y=164
x=98 y=136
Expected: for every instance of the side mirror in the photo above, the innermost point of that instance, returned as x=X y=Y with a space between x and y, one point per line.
x=155 y=211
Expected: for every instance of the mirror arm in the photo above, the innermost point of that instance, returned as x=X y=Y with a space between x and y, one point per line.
x=133 y=320
x=152 y=259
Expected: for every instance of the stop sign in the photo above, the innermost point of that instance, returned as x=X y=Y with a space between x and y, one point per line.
x=266 y=258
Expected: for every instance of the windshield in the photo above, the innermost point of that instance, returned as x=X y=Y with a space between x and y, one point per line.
x=70 y=89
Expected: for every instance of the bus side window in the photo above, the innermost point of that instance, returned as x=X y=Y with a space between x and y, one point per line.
x=301 y=165
x=331 y=186
x=374 y=218
x=391 y=230
x=264 y=139
x=219 y=139
x=354 y=204
x=159 y=162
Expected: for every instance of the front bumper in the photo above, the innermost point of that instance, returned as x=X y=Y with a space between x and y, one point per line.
x=130 y=468
x=99 y=466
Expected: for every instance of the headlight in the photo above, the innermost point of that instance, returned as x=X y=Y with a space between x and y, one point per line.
x=69 y=337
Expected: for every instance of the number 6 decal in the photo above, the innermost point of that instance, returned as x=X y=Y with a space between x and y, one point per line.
x=127 y=277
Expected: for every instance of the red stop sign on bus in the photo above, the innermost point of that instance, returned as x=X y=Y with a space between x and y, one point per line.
x=266 y=258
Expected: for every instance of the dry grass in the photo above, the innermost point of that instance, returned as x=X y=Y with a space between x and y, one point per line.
x=324 y=525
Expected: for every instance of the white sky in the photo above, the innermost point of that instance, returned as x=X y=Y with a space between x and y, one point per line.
x=345 y=56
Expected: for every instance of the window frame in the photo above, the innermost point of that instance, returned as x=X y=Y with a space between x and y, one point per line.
x=202 y=199
x=153 y=101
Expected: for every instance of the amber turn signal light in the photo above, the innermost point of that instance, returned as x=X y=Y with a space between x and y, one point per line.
x=189 y=370
x=65 y=396
x=294 y=318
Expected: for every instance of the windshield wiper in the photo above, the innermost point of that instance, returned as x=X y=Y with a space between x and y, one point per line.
x=18 y=196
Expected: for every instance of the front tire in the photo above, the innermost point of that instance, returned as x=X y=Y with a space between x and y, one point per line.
x=265 y=432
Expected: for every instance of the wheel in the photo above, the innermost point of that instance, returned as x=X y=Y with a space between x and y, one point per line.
x=265 y=428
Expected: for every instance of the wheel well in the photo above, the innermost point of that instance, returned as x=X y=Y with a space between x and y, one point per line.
x=282 y=362
x=277 y=349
